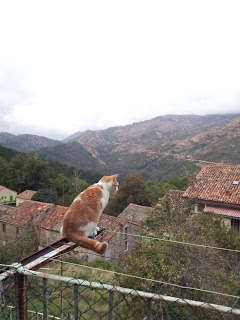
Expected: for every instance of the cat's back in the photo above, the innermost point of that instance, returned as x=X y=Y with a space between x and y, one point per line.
x=89 y=198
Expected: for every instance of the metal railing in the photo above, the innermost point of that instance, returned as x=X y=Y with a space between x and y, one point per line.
x=34 y=315
x=42 y=296
x=28 y=294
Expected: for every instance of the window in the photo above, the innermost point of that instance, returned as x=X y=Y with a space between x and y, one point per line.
x=126 y=238
x=126 y=245
x=4 y=227
x=235 y=226
x=125 y=233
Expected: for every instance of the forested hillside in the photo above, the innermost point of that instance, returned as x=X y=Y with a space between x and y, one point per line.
x=21 y=171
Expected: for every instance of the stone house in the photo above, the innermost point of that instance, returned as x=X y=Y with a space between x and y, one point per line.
x=14 y=222
x=24 y=196
x=47 y=220
x=135 y=213
x=217 y=189
x=7 y=195
x=114 y=230
x=48 y=226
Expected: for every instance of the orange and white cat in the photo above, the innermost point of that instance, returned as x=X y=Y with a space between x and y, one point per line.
x=81 y=219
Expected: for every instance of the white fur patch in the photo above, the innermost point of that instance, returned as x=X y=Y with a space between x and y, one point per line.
x=105 y=193
x=88 y=229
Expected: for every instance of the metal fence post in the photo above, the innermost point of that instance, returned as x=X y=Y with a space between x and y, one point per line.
x=111 y=305
x=2 y=302
x=149 y=309
x=20 y=282
x=190 y=313
x=45 y=299
x=76 y=297
x=1 y=293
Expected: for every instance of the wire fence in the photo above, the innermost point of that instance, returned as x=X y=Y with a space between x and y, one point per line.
x=27 y=294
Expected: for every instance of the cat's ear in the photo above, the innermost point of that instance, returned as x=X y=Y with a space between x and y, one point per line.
x=115 y=176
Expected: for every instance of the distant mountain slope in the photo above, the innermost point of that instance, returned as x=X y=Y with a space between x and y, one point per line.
x=4 y=136
x=167 y=146
x=72 y=136
x=160 y=149
x=72 y=154
x=26 y=142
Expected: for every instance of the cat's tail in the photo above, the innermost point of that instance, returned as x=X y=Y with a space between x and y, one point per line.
x=90 y=244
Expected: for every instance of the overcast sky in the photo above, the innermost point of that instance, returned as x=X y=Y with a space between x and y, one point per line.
x=69 y=65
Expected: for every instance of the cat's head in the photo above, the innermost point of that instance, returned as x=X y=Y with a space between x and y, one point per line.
x=110 y=182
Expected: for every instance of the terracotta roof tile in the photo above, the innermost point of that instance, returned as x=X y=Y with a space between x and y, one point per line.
x=175 y=199
x=27 y=194
x=24 y=213
x=134 y=213
x=3 y=187
x=53 y=217
x=110 y=225
x=234 y=213
x=52 y=220
x=215 y=183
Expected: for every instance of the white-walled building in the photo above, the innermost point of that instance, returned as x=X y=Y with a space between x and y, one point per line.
x=7 y=195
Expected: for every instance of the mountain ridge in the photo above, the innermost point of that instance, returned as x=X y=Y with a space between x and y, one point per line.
x=26 y=142
x=161 y=148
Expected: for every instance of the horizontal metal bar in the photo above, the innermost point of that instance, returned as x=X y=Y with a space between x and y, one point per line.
x=11 y=270
x=44 y=251
x=44 y=259
x=34 y=312
x=132 y=292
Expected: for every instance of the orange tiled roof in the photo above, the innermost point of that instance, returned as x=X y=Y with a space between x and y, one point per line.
x=25 y=213
x=27 y=194
x=52 y=220
x=53 y=217
x=134 y=213
x=234 y=213
x=3 y=187
x=110 y=226
x=218 y=183
x=175 y=199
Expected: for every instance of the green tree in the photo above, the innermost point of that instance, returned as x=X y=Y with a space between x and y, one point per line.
x=35 y=173
x=22 y=246
x=161 y=188
x=3 y=169
x=133 y=189
x=46 y=195
x=15 y=174
x=62 y=184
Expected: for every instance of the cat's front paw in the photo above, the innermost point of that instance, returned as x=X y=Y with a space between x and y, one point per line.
x=96 y=231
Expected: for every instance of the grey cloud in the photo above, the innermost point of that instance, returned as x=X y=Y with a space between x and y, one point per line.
x=12 y=92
